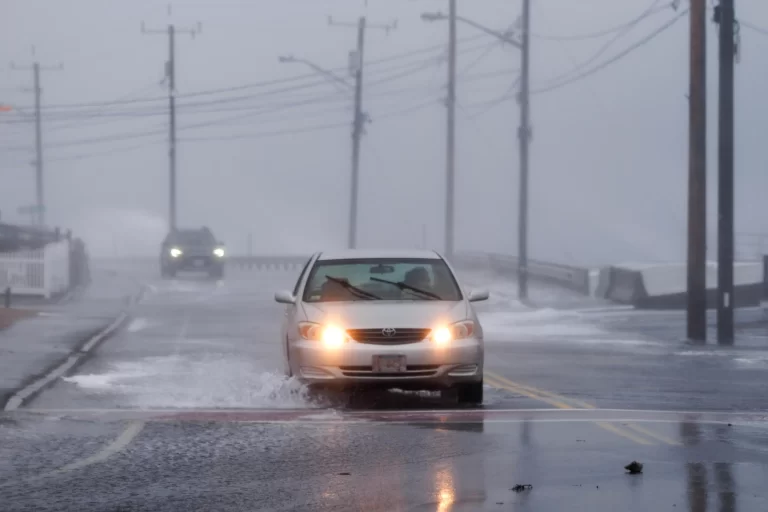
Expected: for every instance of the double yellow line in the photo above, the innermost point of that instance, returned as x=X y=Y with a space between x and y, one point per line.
x=629 y=431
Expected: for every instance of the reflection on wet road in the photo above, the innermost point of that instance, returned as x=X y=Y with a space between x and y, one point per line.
x=187 y=409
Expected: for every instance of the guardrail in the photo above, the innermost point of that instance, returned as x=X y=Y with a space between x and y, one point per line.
x=564 y=276
x=276 y=262
x=664 y=286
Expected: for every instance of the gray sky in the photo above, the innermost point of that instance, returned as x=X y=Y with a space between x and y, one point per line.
x=609 y=154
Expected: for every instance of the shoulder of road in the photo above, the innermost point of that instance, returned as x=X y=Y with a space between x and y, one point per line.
x=37 y=337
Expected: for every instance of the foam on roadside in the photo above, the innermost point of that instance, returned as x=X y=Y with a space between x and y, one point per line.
x=553 y=326
x=214 y=381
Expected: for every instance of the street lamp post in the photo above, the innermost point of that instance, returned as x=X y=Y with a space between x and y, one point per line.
x=524 y=130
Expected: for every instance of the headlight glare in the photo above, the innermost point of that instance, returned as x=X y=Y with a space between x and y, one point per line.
x=442 y=335
x=460 y=330
x=330 y=336
x=218 y=252
x=176 y=252
x=333 y=337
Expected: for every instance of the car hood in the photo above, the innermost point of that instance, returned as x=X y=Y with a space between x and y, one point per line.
x=398 y=314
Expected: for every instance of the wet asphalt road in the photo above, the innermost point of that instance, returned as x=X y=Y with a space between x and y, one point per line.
x=186 y=409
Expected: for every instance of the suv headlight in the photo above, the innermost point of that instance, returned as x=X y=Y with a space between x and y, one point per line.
x=331 y=336
x=458 y=331
x=218 y=252
x=176 y=252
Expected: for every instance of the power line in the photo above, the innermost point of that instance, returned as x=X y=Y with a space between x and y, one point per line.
x=652 y=9
x=413 y=68
x=642 y=42
x=262 y=110
x=297 y=78
x=568 y=78
x=756 y=28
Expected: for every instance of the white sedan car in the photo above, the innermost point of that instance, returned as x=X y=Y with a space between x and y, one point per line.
x=387 y=319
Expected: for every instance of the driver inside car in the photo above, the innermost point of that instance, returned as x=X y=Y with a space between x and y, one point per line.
x=418 y=277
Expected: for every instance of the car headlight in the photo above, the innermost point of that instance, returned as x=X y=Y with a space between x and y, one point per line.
x=218 y=252
x=330 y=335
x=176 y=252
x=458 y=331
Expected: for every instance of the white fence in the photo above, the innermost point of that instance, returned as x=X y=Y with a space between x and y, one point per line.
x=43 y=272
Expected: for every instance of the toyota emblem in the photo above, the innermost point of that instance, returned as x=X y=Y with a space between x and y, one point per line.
x=388 y=332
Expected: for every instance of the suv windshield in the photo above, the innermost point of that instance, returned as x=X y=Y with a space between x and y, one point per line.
x=191 y=237
x=381 y=279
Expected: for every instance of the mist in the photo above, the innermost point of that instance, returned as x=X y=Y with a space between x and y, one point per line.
x=608 y=159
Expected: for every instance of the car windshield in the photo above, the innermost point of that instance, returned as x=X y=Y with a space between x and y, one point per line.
x=414 y=279
x=192 y=237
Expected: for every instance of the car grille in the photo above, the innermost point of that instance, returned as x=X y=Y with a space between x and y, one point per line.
x=412 y=370
x=377 y=336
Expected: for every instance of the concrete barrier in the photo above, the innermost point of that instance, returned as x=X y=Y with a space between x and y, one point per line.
x=281 y=263
x=664 y=286
x=564 y=276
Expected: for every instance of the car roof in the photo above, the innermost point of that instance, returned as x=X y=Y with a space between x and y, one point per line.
x=350 y=254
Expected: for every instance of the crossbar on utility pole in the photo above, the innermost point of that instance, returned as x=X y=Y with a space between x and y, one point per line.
x=170 y=73
x=725 y=16
x=39 y=214
x=697 y=175
x=359 y=118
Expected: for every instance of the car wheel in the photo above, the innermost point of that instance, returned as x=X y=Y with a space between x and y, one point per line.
x=216 y=273
x=470 y=394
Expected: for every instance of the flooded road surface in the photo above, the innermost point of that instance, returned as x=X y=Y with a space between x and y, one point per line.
x=187 y=408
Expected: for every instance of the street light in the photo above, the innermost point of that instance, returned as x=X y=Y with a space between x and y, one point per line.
x=334 y=78
x=503 y=36
x=524 y=131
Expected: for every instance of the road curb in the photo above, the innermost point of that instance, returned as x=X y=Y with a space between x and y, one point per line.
x=74 y=359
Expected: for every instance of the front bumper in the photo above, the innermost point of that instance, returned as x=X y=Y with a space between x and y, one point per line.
x=195 y=262
x=427 y=366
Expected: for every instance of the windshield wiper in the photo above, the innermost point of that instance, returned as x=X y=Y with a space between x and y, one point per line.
x=352 y=288
x=404 y=286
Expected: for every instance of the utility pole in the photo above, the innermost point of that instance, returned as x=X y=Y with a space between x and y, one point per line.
x=450 y=159
x=524 y=136
x=725 y=16
x=359 y=118
x=697 y=174
x=453 y=18
x=38 y=215
x=170 y=74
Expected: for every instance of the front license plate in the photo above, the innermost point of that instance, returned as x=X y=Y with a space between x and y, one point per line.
x=389 y=364
x=199 y=263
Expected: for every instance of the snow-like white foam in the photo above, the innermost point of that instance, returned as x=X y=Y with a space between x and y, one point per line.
x=214 y=381
x=138 y=324
x=551 y=325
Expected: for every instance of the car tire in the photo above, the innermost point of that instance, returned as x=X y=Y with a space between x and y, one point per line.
x=470 y=394
x=167 y=273
x=217 y=273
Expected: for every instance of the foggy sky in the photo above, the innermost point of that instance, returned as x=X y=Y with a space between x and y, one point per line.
x=608 y=158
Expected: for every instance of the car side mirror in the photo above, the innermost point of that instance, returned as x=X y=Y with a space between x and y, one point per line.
x=285 y=297
x=478 y=295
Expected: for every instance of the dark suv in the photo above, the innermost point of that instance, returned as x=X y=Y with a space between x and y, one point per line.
x=194 y=250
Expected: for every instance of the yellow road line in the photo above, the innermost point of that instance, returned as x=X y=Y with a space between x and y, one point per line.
x=654 y=435
x=498 y=383
x=561 y=403
x=623 y=433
